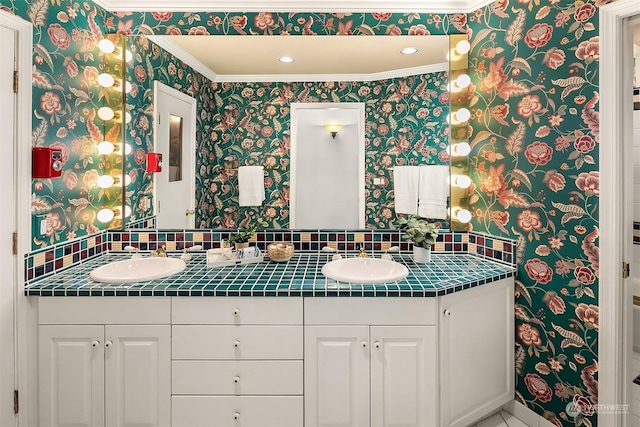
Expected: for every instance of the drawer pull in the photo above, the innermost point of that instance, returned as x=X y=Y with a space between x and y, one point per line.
x=95 y=344
x=108 y=344
x=363 y=344
x=376 y=345
x=236 y=344
x=447 y=312
x=236 y=380
x=236 y=416
x=236 y=312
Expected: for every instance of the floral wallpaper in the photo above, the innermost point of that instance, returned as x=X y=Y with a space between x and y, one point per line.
x=534 y=162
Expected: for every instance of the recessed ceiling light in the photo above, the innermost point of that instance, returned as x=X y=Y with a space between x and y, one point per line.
x=286 y=59
x=408 y=51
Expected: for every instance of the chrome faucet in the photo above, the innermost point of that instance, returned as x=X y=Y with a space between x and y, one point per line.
x=160 y=252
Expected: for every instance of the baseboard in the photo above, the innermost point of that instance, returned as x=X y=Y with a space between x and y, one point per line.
x=526 y=415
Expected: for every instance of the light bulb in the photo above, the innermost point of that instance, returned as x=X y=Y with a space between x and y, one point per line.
x=105 y=181
x=127 y=117
x=128 y=56
x=462 y=215
x=127 y=149
x=106 y=80
x=461 y=149
x=463 y=81
x=106 y=46
x=105 y=147
x=105 y=215
x=461 y=181
x=463 y=47
x=463 y=115
x=127 y=180
x=105 y=113
x=127 y=210
x=127 y=87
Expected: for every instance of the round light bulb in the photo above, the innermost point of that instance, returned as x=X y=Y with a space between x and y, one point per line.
x=463 y=81
x=106 y=80
x=127 y=117
x=127 y=87
x=106 y=113
x=127 y=211
x=127 y=180
x=127 y=149
x=463 y=47
x=462 y=215
x=106 y=46
x=105 y=147
x=463 y=115
x=105 y=181
x=105 y=215
x=128 y=56
x=461 y=149
x=462 y=181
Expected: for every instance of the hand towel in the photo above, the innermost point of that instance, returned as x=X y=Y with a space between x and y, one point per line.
x=251 y=185
x=433 y=191
x=405 y=189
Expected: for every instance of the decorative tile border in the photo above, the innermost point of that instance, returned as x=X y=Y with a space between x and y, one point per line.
x=55 y=258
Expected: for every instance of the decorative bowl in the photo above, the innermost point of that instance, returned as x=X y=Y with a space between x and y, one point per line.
x=280 y=251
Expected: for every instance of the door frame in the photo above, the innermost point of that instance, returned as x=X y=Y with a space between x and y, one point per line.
x=616 y=213
x=26 y=355
x=159 y=87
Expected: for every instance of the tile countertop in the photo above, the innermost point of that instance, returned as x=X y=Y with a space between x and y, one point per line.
x=301 y=276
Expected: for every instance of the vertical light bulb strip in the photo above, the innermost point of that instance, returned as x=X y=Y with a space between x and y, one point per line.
x=460 y=116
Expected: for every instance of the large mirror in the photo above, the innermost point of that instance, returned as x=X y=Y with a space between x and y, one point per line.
x=243 y=117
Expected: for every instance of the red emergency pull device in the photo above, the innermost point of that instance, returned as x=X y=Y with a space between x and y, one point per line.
x=154 y=162
x=46 y=162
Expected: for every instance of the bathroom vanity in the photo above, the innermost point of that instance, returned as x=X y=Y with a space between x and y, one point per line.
x=261 y=346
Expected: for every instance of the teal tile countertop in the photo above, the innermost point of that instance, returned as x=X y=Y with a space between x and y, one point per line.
x=301 y=276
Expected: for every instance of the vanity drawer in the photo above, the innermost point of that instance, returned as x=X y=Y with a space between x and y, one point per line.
x=236 y=411
x=237 y=342
x=231 y=377
x=237 y=311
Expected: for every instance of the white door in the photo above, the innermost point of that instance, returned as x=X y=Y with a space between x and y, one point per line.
x=336 y=376
x=71 y=363
x=476 y=352
x=404 y=376
x=138 y=375
x=7 y=225
x=175 y=135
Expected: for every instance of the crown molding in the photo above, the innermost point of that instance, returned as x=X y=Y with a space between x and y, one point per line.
x=399 y=6
x=198 y=66
x=184 y=56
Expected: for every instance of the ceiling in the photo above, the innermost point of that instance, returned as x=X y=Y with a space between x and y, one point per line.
x=251 y=58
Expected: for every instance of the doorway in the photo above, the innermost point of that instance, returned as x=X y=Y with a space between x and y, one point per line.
x=175 y=136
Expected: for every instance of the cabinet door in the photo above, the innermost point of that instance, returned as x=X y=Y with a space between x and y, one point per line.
x=476 y=352
x=403 y=376
x=138 y=375
x=71 y=363
x=336 y=372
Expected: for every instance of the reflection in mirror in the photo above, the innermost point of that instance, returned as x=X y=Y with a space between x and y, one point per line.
x=248 y=122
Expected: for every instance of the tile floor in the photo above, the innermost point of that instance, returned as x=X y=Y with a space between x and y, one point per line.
x=501 y=419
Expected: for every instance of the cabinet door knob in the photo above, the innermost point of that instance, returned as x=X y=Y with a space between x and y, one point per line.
x=108 y=344
x=363 y=344
x=236 y=344
x=236 y=380
x=95 y=344
x=376 y=344
x=447 y=312
x=236 y=416
x=236 y=312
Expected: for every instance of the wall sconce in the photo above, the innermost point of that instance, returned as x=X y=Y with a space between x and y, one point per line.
x=333 y=129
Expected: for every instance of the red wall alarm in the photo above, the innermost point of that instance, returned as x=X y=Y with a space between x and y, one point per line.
x=46 y=162
x=154 y=162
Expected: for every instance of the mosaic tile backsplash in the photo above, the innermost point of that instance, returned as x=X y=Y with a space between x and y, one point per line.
x=53 y=259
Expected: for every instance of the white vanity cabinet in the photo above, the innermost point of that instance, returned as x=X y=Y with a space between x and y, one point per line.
x=104 y=361
x=360 y=373
x=237 y=362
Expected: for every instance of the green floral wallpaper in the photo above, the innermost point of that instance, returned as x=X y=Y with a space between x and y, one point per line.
x=535 y=141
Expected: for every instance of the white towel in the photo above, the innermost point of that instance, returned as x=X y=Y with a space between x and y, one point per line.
x=251 y=185
x=405 y=189
x=433 y=191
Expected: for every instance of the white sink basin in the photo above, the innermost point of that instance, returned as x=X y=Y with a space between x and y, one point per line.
x=365 y=270
x=137 y=270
